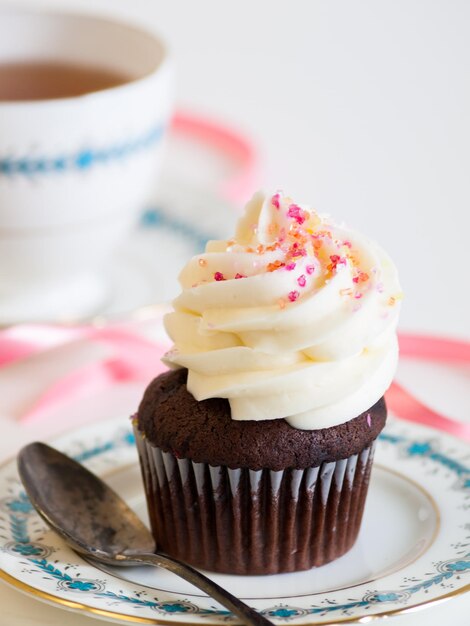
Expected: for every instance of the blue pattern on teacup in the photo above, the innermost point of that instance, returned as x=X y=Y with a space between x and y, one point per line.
x=82 y=160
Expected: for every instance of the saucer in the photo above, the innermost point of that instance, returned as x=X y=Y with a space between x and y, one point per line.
x=144 y=270
x=412 y=549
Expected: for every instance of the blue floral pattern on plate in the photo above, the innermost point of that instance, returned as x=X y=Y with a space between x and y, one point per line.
x=32 y=554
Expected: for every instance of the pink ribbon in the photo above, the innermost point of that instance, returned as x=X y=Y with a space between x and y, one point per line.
x=132 y=358
x=135 y=358
x=239 y=186
x=434 y=349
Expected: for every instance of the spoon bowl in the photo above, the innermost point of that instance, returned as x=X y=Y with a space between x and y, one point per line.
x=96 y=522
x=88 y=514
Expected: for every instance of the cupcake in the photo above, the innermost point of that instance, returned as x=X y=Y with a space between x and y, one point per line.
x=256 y=446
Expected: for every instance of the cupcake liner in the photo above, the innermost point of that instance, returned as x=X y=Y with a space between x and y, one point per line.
x=243 y=521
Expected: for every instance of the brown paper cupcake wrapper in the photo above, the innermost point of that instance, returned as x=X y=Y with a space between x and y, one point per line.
x=242 y=521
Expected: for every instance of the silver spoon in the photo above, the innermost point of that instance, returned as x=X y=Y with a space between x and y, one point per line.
x=96 y=522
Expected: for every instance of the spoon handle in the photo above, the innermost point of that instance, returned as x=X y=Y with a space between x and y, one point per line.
x=248 y=615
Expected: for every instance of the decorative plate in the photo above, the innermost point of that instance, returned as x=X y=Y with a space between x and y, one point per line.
x=412 y=551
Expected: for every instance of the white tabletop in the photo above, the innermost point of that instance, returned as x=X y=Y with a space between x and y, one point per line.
x=358 y=108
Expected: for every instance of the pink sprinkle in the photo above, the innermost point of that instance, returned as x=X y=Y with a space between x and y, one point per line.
x=335 y=261
x=275 y=201
x=297 y=213
x=290 y=267
x=302 y=281
x=368 y=420
x=293 y=295
x=310 y=269
x=358 y=296
x=362 y=277
x=296 y=250
x=348 y=244
x=219 y=276
x=237 y=275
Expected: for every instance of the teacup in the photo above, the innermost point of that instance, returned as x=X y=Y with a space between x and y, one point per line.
x=75 y=170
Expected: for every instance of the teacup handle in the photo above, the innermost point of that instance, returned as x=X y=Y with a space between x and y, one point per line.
x=227 y=141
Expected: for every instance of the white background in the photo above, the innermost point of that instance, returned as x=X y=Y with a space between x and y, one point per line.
x=358 y=107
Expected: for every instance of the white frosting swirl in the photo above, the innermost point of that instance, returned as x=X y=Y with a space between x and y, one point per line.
x=295 y=318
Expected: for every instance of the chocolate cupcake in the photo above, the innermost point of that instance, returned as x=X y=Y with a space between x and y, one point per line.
x=256 y=450
x=250 y=497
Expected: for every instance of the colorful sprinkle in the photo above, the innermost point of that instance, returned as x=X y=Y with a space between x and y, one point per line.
x=368 y=420
x=290 y=267
x=296 y=251
x=282 y=303
x=298 y=214
x=275 y=201
x=302 y=281
x=272 y=267
x=362 y=277
x=202 y=262
x=358 y=295
x=219 y=276
x=346 y=292
x=336 y=260
x=272 y=247
x=310 y=269
x=237 y=275
x=293 y=295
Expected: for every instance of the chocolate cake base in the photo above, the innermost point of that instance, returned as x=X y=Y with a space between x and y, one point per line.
x=242 y=521
x=205 y=432
x=250 y=497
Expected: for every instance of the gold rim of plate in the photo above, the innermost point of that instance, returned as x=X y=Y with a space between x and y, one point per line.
x=79 y=607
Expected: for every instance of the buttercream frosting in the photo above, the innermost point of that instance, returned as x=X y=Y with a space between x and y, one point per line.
x=293 y=318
